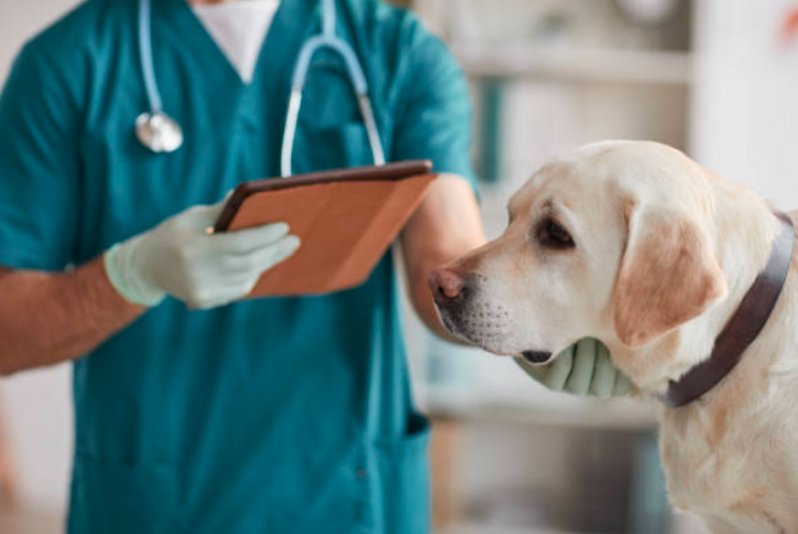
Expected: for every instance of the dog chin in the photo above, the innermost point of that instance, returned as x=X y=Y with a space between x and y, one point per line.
x=457 y=332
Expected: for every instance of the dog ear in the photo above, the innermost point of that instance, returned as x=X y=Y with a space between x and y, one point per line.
x=668 y=275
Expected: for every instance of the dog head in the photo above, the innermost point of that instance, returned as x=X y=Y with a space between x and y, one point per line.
x=613 y=241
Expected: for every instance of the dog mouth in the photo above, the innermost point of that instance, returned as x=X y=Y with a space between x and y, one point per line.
x=463 y=333
x=536 y=357
x=474 y=333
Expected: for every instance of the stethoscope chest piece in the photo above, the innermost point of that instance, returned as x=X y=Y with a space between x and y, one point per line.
x=159 y=132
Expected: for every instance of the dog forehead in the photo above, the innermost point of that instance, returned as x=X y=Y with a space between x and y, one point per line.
x=634 y=168
x=567 y=182
x=656 y=174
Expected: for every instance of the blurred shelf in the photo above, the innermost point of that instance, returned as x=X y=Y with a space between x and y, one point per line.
x=588 y=414
x=644 y=67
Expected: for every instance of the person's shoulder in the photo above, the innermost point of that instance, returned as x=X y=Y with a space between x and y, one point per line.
x=65 y=56
x=403 y=36
x=84 y=29
x=385 y=12
x=401 y=23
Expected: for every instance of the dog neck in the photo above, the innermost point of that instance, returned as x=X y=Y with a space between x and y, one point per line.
x=745 y=228
x=707 y=446
x=742 y=329
x=744 y=397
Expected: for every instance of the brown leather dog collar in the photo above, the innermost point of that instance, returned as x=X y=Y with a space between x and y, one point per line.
x=744 y=326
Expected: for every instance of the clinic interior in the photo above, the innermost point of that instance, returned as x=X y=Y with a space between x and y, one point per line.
x=508 y=456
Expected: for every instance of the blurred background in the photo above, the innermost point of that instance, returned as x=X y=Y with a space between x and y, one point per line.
x=715 y=78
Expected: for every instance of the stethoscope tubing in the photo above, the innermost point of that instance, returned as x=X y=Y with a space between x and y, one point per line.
x=327 y=40
x=146 y=58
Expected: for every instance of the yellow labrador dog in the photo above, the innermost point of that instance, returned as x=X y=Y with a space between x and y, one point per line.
x=636 y=245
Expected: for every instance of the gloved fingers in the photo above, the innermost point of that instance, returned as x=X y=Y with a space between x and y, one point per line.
x=561 y=369
x=198 y=218
x=583 y=368
x=274 y=254
x=214 y=302
x=215 y=210
x=232 y=289
x=538 y=372
x=213 y=287
x=605 y=376
x=239 y=285
x=623 y=386
x=553 y=375
x=256 y=261
x=242 y=242
x=260 y=260
x=233 y=292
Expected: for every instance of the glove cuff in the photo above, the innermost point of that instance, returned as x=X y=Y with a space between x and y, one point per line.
x=117 y=266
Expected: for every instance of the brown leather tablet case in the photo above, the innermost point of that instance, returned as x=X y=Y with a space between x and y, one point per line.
x=346 y=219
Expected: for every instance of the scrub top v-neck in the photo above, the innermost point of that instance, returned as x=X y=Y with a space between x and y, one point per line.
x=239 y=30
x=268 y=416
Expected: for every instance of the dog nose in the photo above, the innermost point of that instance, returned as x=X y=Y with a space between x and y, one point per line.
x=446 y=285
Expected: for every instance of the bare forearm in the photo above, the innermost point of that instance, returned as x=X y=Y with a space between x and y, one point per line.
x=52 y=318
x=446 y=227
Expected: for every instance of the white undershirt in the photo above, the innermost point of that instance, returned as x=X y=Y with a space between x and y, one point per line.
x=239 y=29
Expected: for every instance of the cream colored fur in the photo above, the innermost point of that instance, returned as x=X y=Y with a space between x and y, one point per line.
x=731 y=457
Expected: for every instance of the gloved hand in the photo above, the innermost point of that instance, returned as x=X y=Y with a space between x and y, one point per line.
x=583 y=369
x=177 y=258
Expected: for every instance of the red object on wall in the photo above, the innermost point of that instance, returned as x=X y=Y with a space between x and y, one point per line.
x=788 y=33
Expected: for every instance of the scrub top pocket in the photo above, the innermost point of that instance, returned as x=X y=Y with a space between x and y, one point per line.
x=123 y=497
x=403 y=466
x=338 y=147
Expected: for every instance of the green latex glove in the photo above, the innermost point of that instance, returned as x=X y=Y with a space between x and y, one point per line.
x=178 y=258
x=583 y=369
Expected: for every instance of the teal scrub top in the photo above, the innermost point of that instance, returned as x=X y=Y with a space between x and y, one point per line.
x=269 y=416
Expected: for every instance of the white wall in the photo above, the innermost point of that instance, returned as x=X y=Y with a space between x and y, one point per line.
x=746 y=100
x=21 y=19
x=36 y=406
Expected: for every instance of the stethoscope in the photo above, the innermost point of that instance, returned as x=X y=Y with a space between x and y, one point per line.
x=160 y=133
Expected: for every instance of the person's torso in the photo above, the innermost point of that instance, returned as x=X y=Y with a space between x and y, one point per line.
x=272 y=415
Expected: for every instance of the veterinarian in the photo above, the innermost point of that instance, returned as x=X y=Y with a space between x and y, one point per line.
x=119 y=136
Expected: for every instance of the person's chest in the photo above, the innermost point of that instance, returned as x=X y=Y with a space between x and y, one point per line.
x=233 y=131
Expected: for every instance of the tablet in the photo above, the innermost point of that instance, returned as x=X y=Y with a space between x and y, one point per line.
x=346 y=219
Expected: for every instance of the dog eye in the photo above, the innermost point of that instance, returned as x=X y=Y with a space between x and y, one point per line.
x=552 y=235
